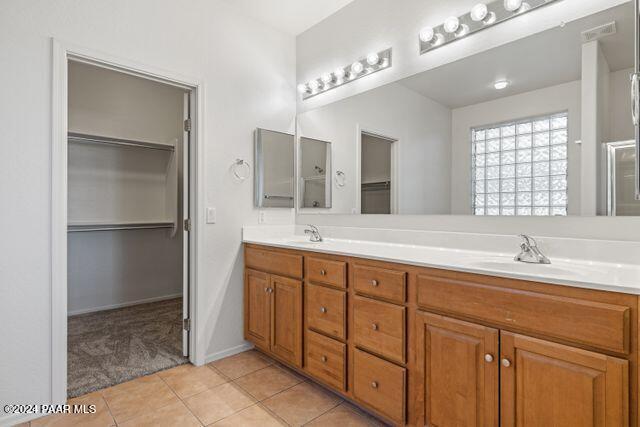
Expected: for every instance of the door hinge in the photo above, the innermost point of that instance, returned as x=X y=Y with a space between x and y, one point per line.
x=187 y=224
x=187 y=125
x=186 y=324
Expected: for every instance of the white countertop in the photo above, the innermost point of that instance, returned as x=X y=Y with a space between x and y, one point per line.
x=607 y=276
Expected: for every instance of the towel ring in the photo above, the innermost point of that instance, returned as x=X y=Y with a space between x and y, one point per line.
x=340 y=178
x=238 y=167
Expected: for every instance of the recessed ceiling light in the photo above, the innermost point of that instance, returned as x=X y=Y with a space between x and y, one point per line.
x=501 y=84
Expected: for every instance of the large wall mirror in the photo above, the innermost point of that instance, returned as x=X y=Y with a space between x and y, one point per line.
x=274 y=169
x=537 y=127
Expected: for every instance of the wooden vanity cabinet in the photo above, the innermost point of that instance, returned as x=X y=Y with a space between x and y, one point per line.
x=422 y=346
x=273 y=315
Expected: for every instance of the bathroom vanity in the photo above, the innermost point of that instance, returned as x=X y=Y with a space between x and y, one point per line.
x=419 y=345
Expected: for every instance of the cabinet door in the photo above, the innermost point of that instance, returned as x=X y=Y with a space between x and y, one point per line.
x=257 y=308
x=548 y=384
x=286 y=319
x=458 y=372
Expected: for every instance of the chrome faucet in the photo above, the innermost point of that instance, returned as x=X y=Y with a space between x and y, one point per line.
x=315 y=234
x=529 y=251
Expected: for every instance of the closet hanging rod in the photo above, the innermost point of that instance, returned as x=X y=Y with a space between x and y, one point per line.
x=74 y=228
x=96 y=139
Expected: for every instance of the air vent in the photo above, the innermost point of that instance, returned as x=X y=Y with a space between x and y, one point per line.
x=599 y=32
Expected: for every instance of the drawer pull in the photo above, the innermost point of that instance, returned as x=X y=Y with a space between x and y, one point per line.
x=374 y=384
x=324 y=359
x=488 y=358
x=374 y=283
x=323 y=273
x=323 y=310
x=374 y=326
x=506 y=362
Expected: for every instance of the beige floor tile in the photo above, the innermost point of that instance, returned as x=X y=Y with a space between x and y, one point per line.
x=175 y=414
x=101 y=418
x=242 y=364
x=137 y=397
x=187 y=380
x=250 y=417
x=219 y=402
x=302 y=403
x=345 y=415
x=266 y=382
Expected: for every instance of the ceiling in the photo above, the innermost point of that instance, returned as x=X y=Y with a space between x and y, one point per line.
x=290 y=16
x=542 y=60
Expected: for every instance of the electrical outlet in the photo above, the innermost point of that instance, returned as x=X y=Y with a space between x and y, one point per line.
x=261 y=217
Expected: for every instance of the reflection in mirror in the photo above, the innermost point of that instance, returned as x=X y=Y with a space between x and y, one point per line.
x=621 y=163
x=315 y=173
x=377 y=193
x=274 y=169
x=519 y=129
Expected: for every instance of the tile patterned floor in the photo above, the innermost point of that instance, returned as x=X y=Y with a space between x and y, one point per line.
x=248 y=389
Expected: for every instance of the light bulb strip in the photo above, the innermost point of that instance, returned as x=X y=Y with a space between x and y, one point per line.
x=349 y=73
x=496 y=13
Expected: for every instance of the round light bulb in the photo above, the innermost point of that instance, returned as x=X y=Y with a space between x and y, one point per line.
x=479 y=12
x=339 y=73
x=313 y=85
x=373 y=59
x=451 y=24
x=302 y=88
x=427 y=34
x=512 y=5
x=357 y=67
x=327 y=78
x=501 y=84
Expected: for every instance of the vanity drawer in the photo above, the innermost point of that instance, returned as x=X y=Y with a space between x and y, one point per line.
x=325 y=359
x=586 y=322
x=379 y=327
x=326 y=310
x=328 y=272
x=380 y=282
x=273 y=262
x=380 y=385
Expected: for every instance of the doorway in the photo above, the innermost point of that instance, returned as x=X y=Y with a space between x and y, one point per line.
x=123 y=220
x=377 y=174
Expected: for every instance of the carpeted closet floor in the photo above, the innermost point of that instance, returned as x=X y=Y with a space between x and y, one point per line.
x=114 y=346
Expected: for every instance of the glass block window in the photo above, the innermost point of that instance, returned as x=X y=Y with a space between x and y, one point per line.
x=520 y=167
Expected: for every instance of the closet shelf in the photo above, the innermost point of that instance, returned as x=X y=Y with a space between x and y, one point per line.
x=96 y=139
x=119 y=226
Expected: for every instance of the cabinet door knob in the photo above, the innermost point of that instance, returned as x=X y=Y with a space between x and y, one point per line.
x=324 y=359
x=374 y=384
x=374 y=326
x=488 y=358
x=270 y=290
x=506 y=362
x=374 y=283
x=323 y=273
x=266 y=289
x=323 y=310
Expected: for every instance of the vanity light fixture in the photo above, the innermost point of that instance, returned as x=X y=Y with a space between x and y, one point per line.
x=481 y=16
x=373 y=62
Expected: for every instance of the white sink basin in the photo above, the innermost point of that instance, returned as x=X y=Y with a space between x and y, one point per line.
x=522 y=267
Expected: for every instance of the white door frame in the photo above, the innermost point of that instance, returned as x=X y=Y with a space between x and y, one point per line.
x=395 y=147
x=62 y=53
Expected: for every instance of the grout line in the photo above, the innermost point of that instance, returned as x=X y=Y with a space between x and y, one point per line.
x=326 y=412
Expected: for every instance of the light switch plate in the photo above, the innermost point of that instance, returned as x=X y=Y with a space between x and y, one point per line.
x=211 y=215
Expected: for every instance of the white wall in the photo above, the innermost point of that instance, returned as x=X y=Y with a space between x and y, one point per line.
x=422 y=128
x=564 y=97
x=114 y=184
x=249 y=74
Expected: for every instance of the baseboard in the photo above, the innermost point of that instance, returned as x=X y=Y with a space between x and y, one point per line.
x=228 y=352
x=123 y=304
x=15 y=419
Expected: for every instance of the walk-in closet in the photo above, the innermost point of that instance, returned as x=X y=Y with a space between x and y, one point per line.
x=127 y=195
